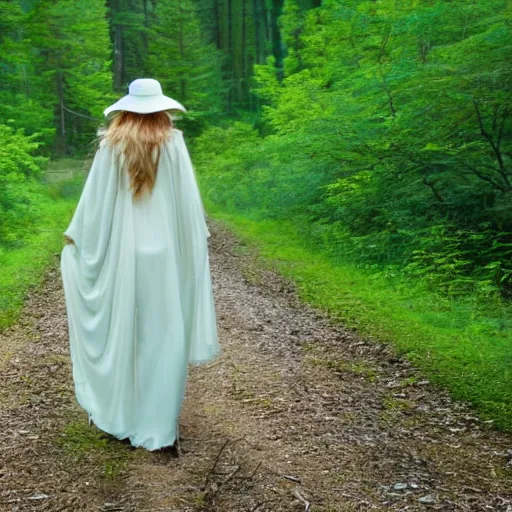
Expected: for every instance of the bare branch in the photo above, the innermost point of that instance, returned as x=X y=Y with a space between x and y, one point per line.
x=487 y=178
x=431 y=186
x=500 y=133
x=78 y=114
x=494 y=146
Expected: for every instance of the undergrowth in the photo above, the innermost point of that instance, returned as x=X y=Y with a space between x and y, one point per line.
x=24 y=261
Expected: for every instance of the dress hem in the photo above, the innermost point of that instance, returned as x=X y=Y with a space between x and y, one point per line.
x=214 y=356
x=121 y=435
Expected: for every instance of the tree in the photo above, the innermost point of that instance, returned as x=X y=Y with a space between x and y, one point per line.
x=71 y=66
x=186 y=65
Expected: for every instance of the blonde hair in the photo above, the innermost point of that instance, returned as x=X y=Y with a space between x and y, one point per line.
x=139 y=137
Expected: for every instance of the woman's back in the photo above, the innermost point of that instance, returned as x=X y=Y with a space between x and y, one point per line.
x=153 y=212
x=137 y=282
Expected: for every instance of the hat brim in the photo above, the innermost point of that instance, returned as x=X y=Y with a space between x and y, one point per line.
x=145 y=104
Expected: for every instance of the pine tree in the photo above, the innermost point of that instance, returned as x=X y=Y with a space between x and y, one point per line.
x=18 y=92
x=130 y=23
x=72 y=66
x=179 y=57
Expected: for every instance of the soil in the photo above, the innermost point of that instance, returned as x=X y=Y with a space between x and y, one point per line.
x=297 y=413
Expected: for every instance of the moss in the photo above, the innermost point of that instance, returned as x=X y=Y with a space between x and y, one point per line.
x=396 y=407
x=82 y=442
x=357 y=368
x=309 y=348
x=397 y=404
x=252 y=275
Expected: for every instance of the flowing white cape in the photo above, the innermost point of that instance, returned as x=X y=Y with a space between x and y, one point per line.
x=139 y=295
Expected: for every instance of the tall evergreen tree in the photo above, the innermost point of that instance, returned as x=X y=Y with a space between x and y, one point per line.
x=18 y=91
x=187 y=66
x=130 y=24
x=246 y=32
x=72 y=66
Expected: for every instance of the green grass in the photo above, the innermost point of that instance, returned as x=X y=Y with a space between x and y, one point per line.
x=463 y=344
x=82 y=442
x=23 y=267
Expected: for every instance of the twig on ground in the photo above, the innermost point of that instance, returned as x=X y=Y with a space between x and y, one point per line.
x=213 y=365
x=248 y=477
x=177 y=440
x=297 y=494
x=256 y=469
x=216 y=461
x=292 y=478
x=231 y=474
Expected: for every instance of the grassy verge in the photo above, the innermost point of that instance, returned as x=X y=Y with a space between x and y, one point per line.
x=24 y=266
x=463 y=344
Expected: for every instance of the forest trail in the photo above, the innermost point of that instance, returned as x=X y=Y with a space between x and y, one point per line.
x=295 y=410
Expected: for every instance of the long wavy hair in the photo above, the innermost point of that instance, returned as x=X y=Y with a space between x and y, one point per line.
x=139 y=137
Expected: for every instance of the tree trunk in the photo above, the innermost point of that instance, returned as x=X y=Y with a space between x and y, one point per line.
x=118 y=53
x=61 y=143
x=183 y=83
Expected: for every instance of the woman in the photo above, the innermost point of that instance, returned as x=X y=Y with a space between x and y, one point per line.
x=136 y=274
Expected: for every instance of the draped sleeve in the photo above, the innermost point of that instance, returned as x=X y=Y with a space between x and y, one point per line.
x=90 y=227
x=194 y=209
x=98 y=278
x=196 y=286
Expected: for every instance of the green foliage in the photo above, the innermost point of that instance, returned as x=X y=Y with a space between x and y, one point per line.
x=187 y=66
x=388 y=143
x=18 y=189
x=33 y=235
x=55 y=62
x=233 y=145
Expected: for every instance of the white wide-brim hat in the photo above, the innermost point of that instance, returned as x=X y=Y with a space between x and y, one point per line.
x=145 y=96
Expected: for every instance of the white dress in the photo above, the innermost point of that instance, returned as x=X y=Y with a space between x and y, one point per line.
x=139 y=295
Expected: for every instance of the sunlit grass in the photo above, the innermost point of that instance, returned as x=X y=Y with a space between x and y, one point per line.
x=23 y=266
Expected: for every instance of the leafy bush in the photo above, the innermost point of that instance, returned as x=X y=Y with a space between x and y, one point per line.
x=19 y=190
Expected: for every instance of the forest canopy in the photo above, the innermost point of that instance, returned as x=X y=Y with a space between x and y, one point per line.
x=382 y=128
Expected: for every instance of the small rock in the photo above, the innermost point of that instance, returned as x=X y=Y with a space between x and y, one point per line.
x=400 y=486
x=427 y=500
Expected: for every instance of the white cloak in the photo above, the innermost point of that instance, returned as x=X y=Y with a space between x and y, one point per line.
x=139 y=295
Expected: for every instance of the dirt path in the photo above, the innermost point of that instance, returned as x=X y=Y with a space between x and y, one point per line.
x=295 y=410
